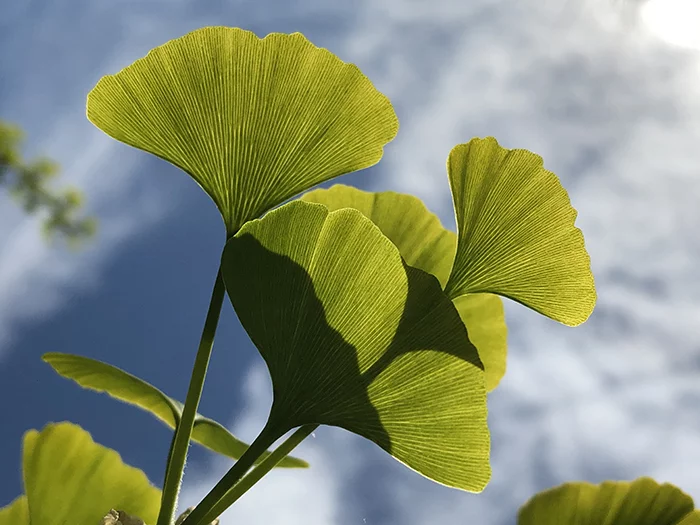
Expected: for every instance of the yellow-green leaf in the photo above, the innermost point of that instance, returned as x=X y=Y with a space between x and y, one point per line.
x=425 y=244
x=119 y=517
x=16 y=513
x=253 y=121
x=355 y=338
x=639 y=502
x=691 y=519
x=404 y=219
x=516 y=233
x=484 y=317
x=102 y=377
x=68 y=478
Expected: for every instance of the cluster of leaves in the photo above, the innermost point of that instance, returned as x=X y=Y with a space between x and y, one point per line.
x=29 y=181
x=63 y=452
x=369 y=314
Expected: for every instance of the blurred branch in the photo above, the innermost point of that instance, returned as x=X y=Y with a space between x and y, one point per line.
x=28 y=183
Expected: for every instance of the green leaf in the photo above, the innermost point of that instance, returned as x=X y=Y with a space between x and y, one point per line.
x=516 y=233
x=16 y=513
x=484 y=317
x=640 y=502
x=404 y=219
x=101 y=377
x=425 y=244
x=68 y=478
x=253 y=121
x=691 y=519
x=355 y=338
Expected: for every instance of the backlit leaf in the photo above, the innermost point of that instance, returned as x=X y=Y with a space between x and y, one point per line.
x=640 y=502
x=68 y=478
x=516 y=233
x=253 y=121
x=425 y=244
x=355 y=338
x=404 y=219
x=102 y=377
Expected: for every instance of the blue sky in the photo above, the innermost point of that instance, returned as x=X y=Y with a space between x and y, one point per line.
x=612 y=108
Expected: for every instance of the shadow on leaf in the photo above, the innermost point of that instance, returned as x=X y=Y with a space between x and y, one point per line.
x=355 y=338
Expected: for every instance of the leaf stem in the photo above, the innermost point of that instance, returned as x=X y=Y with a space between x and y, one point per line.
x=183 y=431
x=256 y=449
x=257 y=473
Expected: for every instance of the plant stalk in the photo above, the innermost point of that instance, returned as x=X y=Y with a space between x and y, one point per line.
x=256 y=449
x=183 y=432
x=257 y=473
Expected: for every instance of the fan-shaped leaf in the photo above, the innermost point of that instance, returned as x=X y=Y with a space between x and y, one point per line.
x=99 y=376
x=16 y=513
x=253 y=121
x=640 y=502
x=404 y=219
x=484 y=317
x=355 y=338
x=68 y=478
x=425 y=244
x=516 y=233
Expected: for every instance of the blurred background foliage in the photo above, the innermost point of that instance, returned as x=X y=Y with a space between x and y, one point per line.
x=29 y=182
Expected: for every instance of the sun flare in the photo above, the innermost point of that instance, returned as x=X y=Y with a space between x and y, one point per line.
x=674 y=21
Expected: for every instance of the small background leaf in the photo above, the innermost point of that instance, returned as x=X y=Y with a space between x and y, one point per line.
x=102 y=377
x=253 y=121
x=641 y=502
x=516 y=233
x=355 y=338
x=68 y=478
x=425 y=244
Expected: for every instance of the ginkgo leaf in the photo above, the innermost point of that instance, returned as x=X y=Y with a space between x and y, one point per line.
x=102 y=377
x=418 y=234
x=355 y=338
x=16 y=513
x=425 y=244
x=516 y=233
x=484 y=317
x=253 y=121
x=639 y=502
x=68 y=478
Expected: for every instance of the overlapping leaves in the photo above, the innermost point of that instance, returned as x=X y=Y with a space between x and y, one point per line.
x=516 y=238
x=425 y=244
x=355 y=338
x=353 y=335
x=68 y=478
x=102 y=377
x=253 y=121
x=640 y=502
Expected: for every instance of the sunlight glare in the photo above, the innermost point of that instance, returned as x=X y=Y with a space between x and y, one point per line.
x=674 y=21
